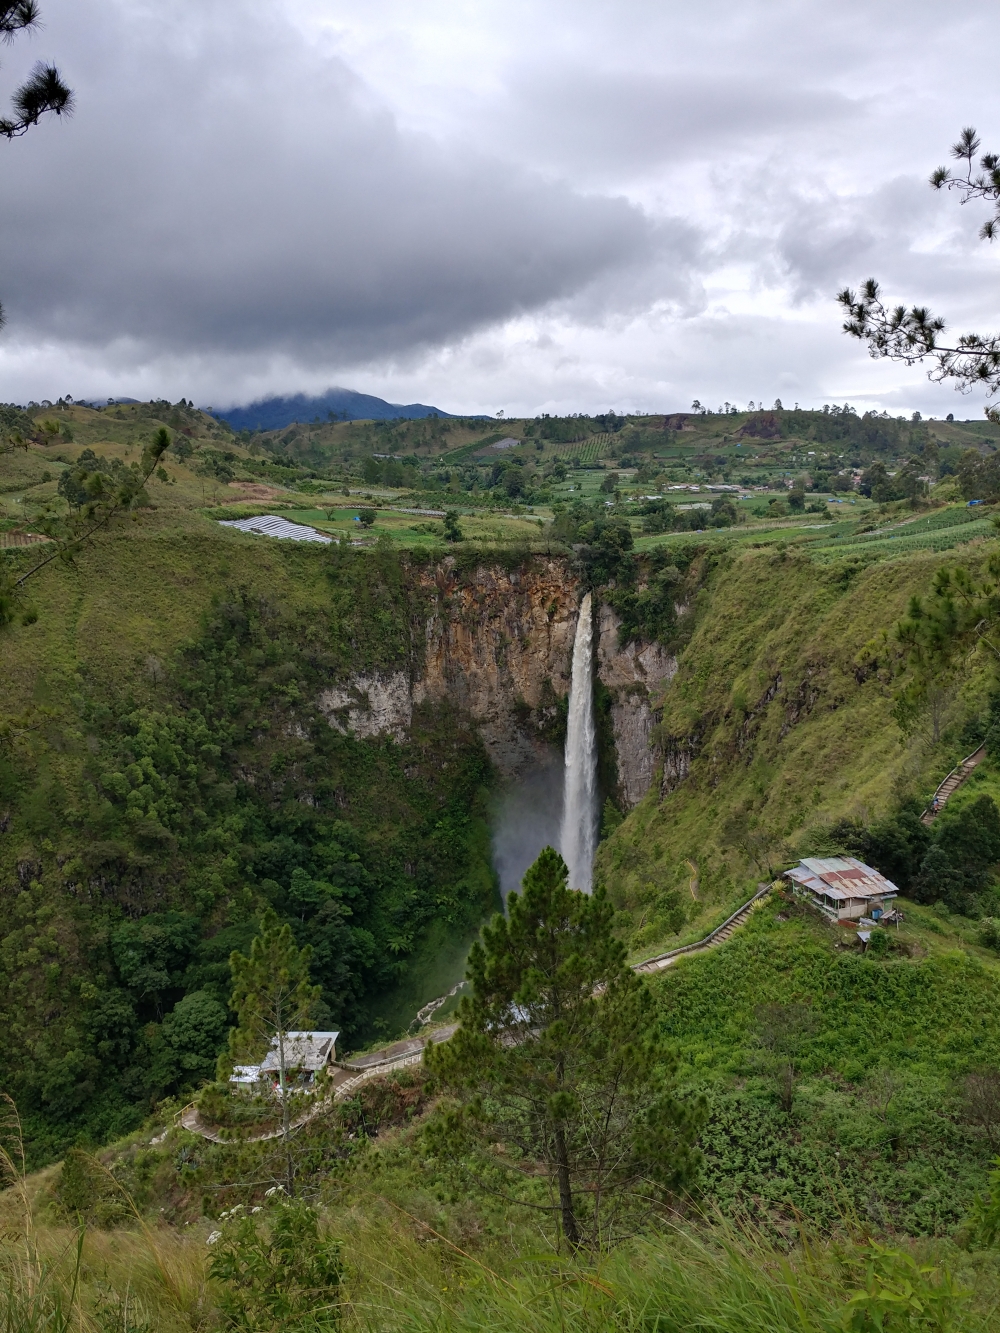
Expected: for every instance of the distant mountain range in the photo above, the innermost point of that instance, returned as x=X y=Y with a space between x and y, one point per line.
x=335 y=404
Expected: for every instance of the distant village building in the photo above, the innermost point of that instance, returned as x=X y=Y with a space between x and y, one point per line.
x=306 y=1053
x=842 y=888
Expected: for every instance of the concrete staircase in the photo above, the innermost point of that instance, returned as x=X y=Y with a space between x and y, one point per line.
x=951 y=784
x=718 y=936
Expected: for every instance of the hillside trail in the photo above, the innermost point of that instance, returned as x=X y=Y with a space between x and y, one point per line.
x=715 y=937
x=348 y=1077
x=952 y=783
x=693 y=881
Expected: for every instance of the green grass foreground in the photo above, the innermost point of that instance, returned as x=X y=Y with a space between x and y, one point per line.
x=813 y=1219
x=876 y=1129
x=403 y=1274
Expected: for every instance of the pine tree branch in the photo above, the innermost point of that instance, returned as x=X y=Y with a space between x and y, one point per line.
x=911 y=336
x=42 y=92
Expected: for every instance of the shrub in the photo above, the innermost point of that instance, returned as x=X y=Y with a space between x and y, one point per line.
x=278 y=1272
x=879 y=944
x=896 y=846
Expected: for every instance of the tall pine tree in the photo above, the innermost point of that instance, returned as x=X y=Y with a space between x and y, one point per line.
x=558 y=1063
x=272 y=996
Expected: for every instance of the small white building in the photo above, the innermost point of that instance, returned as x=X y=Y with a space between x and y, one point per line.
x=842 y=888
x=245 y=1076
x=306 y=1053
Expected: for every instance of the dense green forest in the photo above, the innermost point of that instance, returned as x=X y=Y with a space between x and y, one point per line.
x=149 y=820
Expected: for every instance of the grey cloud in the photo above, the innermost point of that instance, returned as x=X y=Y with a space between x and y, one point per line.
x=223 y=186
x=620 y=121
x=233 y=211
x=669 y=277
x=824 y=242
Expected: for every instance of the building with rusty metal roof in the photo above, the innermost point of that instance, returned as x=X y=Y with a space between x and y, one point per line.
x=842 y=888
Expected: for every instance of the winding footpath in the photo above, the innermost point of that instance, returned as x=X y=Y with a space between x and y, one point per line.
x=348 y=1077
x=718 y=936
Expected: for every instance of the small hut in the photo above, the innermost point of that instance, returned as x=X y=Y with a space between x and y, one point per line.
x=842 y=888
x=306 y=1053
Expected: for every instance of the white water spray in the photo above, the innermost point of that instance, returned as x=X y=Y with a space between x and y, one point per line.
x=579 y=822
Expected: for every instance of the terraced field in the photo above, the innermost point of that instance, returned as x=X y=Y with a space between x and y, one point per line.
x=588 y=451
x=942 y=530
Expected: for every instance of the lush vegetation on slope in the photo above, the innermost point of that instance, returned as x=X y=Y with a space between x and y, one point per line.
x=400 y=1273
x=877 y=1128
x=780 y=723
x=877 y=1141
x=167 y=774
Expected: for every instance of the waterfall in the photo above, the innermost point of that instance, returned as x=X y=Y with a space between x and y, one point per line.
x=579 y=822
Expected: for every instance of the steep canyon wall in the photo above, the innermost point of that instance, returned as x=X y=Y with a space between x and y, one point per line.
x=497 y=644
x=636 y=675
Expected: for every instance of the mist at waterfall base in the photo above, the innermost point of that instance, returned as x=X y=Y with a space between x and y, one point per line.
x=527 y=817
x=555 y=805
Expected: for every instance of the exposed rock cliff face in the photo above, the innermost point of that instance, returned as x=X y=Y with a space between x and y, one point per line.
x=498 y=645
x=370 y=705
x=634 y=674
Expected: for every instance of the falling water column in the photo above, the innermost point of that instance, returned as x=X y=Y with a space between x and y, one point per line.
x=579 y=824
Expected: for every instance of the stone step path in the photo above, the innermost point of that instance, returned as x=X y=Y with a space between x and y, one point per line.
x=951 y=784
x=349 y=1076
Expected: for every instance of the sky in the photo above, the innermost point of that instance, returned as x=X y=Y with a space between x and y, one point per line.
x=492 y=205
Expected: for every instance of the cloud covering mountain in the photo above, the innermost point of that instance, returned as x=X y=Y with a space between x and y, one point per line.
x=496 y=205
x=336 y=404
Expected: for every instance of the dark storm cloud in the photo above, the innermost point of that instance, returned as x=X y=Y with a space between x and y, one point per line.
x=224 y=186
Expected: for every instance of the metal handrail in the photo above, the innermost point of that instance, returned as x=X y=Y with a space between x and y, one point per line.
x=957 y=769
x=702 y=944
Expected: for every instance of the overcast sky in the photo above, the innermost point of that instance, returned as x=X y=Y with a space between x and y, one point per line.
x=527 y=205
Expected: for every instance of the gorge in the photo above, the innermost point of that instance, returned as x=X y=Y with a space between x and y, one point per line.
x=363 y=742
x=498 y=644
x=208 y=723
